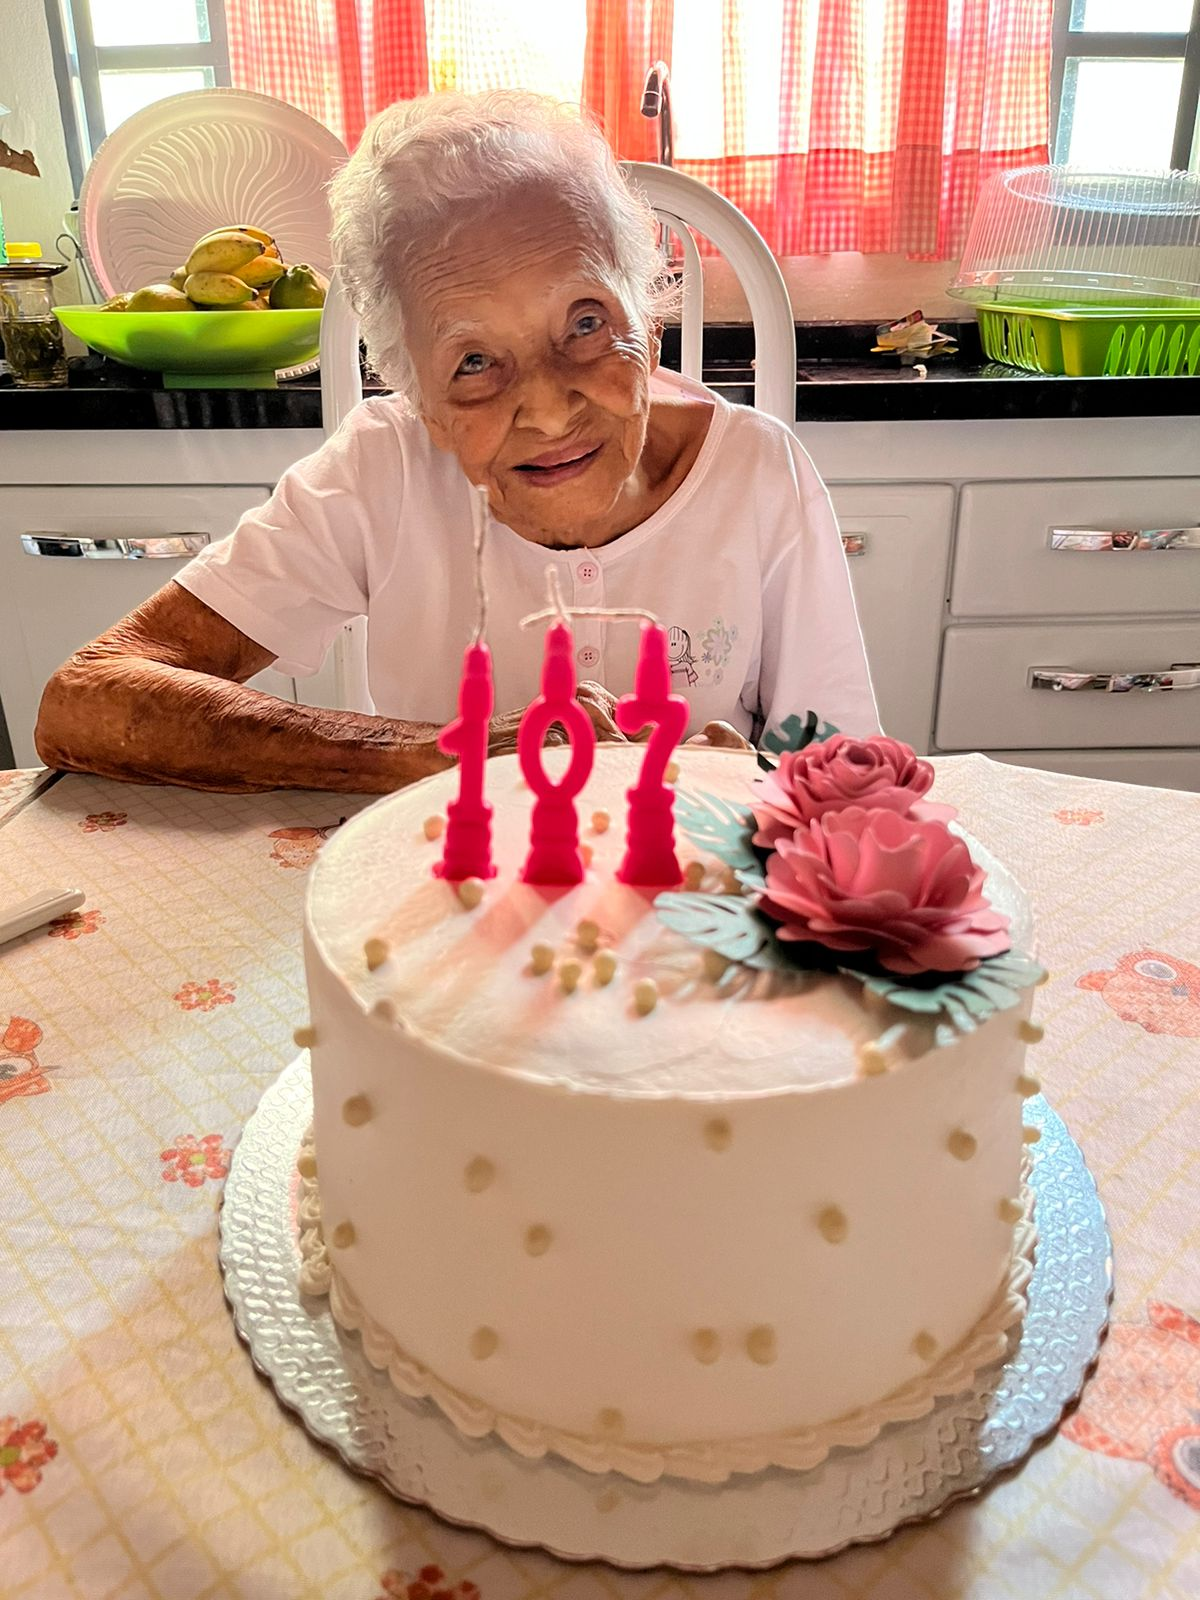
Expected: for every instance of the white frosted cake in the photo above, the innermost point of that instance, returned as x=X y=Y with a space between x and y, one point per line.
x=647 y=1209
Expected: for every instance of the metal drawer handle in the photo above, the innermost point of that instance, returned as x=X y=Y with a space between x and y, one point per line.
x=176 y=546
x=854 y=544
x=1182 y=675
x=1091 y=541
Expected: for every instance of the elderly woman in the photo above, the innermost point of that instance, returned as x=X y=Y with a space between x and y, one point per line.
x=511 y=296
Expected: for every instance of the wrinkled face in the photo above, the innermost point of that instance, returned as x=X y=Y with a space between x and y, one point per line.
x=531 y=370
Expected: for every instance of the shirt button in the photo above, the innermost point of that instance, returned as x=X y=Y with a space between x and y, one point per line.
x=587 y=571
x=587 y=655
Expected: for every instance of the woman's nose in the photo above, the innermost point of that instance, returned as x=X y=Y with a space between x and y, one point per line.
x=548 y=403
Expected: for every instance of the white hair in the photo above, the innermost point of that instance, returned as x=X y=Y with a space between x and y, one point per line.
x=422 y=164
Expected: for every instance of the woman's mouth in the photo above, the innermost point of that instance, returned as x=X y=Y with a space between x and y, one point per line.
x=559 y=466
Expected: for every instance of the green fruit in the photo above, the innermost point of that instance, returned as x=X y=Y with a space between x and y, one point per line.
x=217 y=289
x=224 y=252
x=158 y=297
x=300 y=287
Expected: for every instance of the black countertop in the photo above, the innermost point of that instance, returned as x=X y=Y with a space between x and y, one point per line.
x=837 y=381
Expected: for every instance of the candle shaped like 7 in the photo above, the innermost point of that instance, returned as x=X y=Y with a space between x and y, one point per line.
x=650 y=860
x=468 y=848
x=554 y=830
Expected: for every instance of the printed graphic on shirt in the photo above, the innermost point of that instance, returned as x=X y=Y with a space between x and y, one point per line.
x=716 y=647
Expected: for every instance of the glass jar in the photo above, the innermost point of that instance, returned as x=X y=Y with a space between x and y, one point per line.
x=31 y=333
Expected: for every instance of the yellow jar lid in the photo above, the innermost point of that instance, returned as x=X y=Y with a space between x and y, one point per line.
x=23 y=252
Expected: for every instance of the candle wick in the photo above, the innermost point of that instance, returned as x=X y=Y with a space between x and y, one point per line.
x=479 y=519
x=554 y=590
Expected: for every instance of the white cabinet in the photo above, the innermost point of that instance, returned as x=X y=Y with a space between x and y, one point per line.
x=897 y=540
x=75 y=558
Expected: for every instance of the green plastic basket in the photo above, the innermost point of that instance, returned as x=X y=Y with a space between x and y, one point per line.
x=1092 y=342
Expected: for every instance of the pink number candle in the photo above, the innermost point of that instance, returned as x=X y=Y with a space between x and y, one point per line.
x=554 y=833
x=468 y=849
x=650 y=860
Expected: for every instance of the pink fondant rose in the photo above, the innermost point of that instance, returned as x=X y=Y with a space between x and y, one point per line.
x=901 y=887
x=881 y=773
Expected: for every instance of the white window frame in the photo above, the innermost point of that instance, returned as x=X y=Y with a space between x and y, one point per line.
x=1183 y=47
x=79 y=61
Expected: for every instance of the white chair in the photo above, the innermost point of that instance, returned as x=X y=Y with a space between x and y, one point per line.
x=680 y=203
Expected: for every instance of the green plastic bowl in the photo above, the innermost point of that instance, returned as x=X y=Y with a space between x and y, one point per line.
x=201 y=349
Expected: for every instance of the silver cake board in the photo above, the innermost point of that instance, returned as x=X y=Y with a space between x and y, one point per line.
x=912 y=1471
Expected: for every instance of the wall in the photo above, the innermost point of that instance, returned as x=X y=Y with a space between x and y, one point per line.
x=844 y=287
x=33 y=207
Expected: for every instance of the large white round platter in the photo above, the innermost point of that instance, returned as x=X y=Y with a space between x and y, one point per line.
x=198 y=161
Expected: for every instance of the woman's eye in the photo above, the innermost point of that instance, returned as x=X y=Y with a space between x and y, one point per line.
x=590 y=322
x=472 y=364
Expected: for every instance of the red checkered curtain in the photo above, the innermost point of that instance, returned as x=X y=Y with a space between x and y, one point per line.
x=835 y=125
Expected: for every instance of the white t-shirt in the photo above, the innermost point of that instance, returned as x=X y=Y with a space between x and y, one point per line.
x=743 y=564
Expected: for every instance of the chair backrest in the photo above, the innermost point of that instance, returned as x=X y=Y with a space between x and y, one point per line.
x=680 y=203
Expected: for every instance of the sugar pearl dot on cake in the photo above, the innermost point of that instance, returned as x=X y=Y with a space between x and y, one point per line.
x=693 y=875
x=1030 y=1134
x=587 y=934
x=484 y=1343
x=1028 y=1085
x=479 y=1174
x=832 y=1224
x=924 y=1346
x=375 y=952
x=601 y=820
x=569 y=974
x=607 y=1500
x=356 y=1110
x=962 y=1145
x=610 y=1421
x=1010 y=1210
x=718 y=1135
x=761 y=1345
x=343 y=1235
x=435 y=827
x=470 y=892
x=671 y=771
x=706 y=1345
x=306 y=1165
x=585 y=853
x=645 y=996
x=537 y=1240
x=1031 y=1032
x=541 y=957
x=871 y=1059
x=715 y=965
x=304 y=1038
x=604 y=967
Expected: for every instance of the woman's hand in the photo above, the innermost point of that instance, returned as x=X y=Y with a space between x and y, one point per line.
x=595 y=699
x=720 y=736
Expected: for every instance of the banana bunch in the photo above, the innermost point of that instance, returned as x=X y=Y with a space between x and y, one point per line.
x=236 y=268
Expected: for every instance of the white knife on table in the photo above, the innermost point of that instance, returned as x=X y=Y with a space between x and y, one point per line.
x=36 y=911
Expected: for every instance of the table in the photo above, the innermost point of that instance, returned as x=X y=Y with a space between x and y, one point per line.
x=140 y=1455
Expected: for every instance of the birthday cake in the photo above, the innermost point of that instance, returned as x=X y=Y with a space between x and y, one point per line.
x=689 y=1183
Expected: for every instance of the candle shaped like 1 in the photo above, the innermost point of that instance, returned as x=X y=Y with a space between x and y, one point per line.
x=554 y=832
x=650 y=860
x=468 y=848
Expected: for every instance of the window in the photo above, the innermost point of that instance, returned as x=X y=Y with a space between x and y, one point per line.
x=1126 y=82
x=116 y=56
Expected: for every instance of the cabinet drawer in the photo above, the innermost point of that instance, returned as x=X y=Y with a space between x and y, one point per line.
x=986 y=701
x=1161 y=769
x=897 y=539
x=96 y=555
x=1006 y=563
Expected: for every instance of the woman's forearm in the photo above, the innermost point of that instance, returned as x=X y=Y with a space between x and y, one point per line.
x=131 y=718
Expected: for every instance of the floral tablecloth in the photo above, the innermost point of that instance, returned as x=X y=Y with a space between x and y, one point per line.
x=139 y=1454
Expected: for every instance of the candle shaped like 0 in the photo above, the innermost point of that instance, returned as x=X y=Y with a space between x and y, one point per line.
x=554 y=831
x=650 y=860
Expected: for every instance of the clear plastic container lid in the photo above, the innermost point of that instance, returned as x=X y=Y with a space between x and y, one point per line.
x=1063 y=237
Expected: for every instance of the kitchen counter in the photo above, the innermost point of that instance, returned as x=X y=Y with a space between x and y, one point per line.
x=838 y=380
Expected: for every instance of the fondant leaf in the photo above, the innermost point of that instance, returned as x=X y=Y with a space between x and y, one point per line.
x=727 y=923
x=965 y=999
x=796 y=733
x=723 y=829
